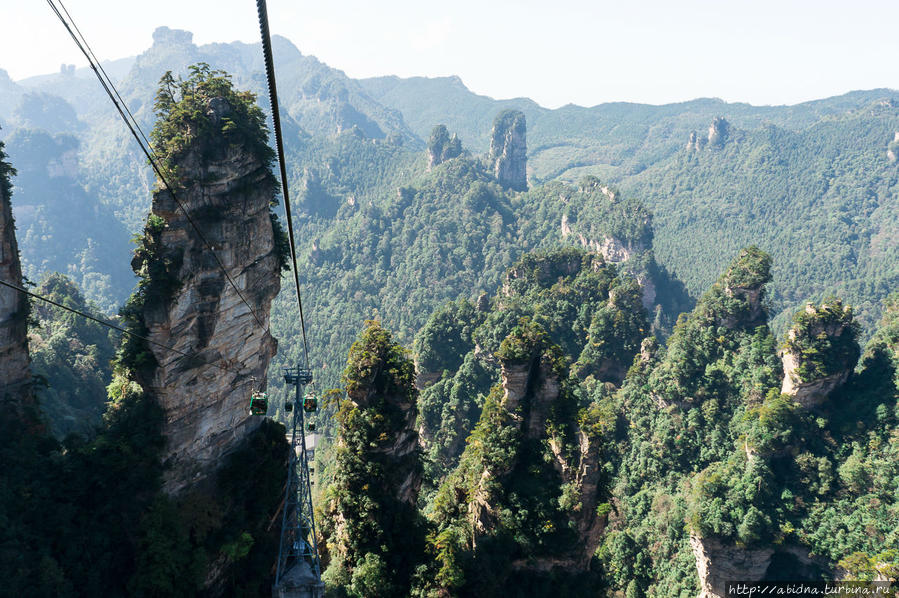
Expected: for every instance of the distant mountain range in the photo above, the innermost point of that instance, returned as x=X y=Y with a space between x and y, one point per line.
x=811 y=183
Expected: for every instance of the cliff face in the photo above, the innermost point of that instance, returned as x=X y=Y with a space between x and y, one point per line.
x=718 y=563
x=744 y=284
x=398 y=447
x=508 y=150
x=15 y=375
x=370 y=525
x=893 y=147
x=227 y=192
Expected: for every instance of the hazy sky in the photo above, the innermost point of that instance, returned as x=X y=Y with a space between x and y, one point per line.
x=556 y=52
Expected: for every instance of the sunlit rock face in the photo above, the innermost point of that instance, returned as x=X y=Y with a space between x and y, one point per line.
x=227 y=193
x=720 y=562
x=15 y=374
x=508 y=150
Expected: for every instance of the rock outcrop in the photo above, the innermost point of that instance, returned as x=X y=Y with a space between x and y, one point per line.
x=531 y=389
x=15 y=372
x=695 y=142
x=821 y=352
x=442 y=147
x=745 y=282
x=508 y=150
x=893 y=148
x=164 y=36
x=394 y=440
x=718 y=563
x=226 y=191
x=718 y=132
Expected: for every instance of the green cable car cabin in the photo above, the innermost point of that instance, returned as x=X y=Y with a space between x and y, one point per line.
x=259 y=403
x=310 y=403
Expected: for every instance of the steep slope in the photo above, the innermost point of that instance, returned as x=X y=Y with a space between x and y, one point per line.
x=71 y=357
x=451 y=233
x=62 y=227
x=173 y=492
x=371 y=528
x=722 y=477
x=107 y=177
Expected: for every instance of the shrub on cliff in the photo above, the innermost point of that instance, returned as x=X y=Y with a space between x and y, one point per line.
x=184 y=117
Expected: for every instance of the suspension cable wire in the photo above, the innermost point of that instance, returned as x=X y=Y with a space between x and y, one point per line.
x=276 y=121
x=150 y=154
x=111 y=325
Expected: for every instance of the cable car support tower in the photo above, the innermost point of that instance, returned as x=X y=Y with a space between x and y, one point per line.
x=298 y=572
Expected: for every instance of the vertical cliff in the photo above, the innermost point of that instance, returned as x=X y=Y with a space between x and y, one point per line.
x=522 y=506
x=508 y=150
x=15 y=375
x=213 y=142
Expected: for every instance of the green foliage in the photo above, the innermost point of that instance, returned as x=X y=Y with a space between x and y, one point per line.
x=185 y=117
x=814 y=195
x=824 y=340
x=62 y=227
x=72 y=356
x=374 y=550
x=442 y=147
x=6 y=171
x=446 y=337
x=614 y=334
x=448 y=410
x=70 y=511
x=751 y=270
x=523 y=342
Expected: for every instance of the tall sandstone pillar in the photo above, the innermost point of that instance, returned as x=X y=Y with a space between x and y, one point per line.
x=509 y=149
x=227 y=192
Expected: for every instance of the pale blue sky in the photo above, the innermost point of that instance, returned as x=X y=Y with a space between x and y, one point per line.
x=556 y=52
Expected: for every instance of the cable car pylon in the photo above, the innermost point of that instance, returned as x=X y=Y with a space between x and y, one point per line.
x=298 y=573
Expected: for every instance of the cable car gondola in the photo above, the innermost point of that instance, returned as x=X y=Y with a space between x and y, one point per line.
x=259 y=403
x=310 y=403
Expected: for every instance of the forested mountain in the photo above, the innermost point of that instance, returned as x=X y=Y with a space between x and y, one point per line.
x=821 y=200
x=569 y=378
x=779 y=168
x=106 y=176
x=811 y=183
x=613 y=140
x=564 y=451
x=785 y=166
